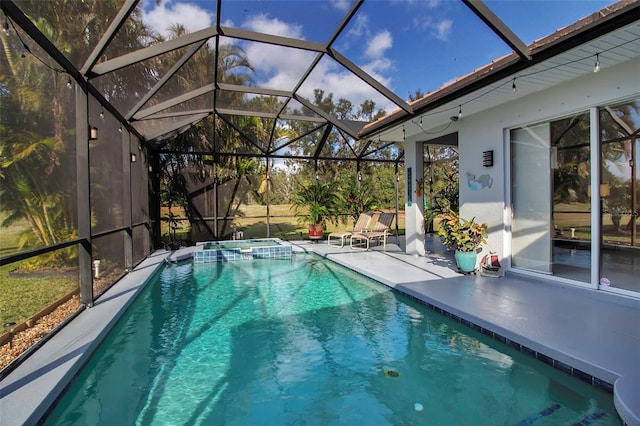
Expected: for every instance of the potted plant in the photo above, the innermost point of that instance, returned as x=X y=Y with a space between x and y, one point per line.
x=464 y=236
x=315 y=203
x=356 y=198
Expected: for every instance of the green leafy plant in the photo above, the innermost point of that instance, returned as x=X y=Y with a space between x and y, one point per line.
x=461 y=234
x=315 y=202
x=357 y=198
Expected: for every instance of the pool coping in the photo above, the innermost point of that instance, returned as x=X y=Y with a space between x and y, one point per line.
x=29 y=391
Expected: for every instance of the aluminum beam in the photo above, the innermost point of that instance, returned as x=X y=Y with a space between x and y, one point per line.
x=178 y=125
x=151 y=51
x=342 y=60
x=271 y=39
x=111 y=32
x=165 y=79
x=324 y=115
x=498 y=27
x=174 y=101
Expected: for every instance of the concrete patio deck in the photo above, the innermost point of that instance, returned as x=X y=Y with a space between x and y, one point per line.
x=591 y=334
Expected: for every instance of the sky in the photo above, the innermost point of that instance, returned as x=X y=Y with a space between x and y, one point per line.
x=407 y=45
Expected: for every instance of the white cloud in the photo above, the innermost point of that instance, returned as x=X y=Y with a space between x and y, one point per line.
x=443 y=29
x=167 y=14
x=263 y=24
x=344 y=84
x=379 y=44
x=360 y=28
x=341 y=4
x=281 y=68
x=375 y=67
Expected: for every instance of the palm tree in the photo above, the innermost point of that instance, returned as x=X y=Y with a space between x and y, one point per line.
x=233 y=67
x=37 y=174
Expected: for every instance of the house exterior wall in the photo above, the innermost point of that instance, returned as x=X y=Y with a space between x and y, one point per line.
x=484 y=192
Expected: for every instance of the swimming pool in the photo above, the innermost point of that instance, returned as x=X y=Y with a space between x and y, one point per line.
x=308 y=341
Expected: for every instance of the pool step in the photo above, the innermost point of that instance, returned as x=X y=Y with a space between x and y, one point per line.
x=585 y=421
x=540 y=414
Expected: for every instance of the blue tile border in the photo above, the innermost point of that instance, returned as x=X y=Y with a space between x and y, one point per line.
x=558 y=365
x=281 y=251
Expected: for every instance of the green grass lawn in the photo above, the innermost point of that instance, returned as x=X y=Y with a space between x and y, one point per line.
x=253 y=223
x=23 y=295
x=10 y=235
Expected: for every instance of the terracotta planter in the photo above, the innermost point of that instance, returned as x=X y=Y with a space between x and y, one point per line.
x=316 y=230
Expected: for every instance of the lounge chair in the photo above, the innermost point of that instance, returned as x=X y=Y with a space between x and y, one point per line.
x=361 y=225
x=380 y=231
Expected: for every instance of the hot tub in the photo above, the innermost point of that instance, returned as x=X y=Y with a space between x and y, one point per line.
x=230 y=251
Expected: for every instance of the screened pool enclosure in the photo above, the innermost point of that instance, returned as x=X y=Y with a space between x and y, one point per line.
x=122 y=133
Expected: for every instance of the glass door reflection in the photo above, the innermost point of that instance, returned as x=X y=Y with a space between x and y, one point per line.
x=620 y=145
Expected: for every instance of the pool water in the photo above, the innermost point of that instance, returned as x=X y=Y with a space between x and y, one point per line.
x=306 y=341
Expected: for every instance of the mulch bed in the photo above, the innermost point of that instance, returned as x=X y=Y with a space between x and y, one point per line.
x=23 y=340
x=27 y=338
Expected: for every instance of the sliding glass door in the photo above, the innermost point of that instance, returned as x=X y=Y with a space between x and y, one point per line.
x=551 y=223
x=552 y=168
x=620 y=190
x=530 y=198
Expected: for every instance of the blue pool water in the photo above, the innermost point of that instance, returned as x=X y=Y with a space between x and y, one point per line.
x=306 y=341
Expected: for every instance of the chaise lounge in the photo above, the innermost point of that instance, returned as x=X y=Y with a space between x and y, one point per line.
x=380 y=231
x=361 y=225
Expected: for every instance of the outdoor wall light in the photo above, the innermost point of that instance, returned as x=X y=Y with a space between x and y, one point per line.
x=596 y=67
x=134 y=157
x=93 y=133
x=69 y=85
x=487 y=158
x=5 y=27
x=8 y=328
